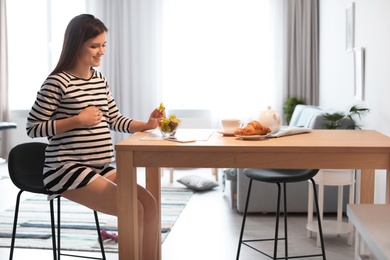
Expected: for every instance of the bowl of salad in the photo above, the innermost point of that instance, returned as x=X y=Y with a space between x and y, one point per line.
x=168 y=125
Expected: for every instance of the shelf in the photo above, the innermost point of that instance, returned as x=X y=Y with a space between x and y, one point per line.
x=331 y=227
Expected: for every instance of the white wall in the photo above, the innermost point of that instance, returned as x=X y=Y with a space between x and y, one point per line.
x=372 y=18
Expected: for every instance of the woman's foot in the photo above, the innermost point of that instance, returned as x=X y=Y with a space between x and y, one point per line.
x=106 y=235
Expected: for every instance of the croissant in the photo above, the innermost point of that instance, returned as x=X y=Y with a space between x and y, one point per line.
x=253 y=128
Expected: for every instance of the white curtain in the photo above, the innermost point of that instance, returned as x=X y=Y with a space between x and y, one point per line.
x=4 y=113
x=131 y=62
x=219 y=55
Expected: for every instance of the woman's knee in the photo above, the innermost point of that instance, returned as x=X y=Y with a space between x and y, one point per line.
x=140 y=210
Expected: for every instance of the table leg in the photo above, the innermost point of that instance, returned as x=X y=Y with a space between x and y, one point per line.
x=128 y=243
x=367 y=186
x=387 y=199
x=153 y=185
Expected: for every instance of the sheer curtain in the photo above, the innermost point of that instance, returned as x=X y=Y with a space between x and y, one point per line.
x=219 y=55
x=132 y=62
x=4 y=113
x=232 y=57
x=238 y=57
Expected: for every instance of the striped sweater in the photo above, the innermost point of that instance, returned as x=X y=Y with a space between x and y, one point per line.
x=63 y=95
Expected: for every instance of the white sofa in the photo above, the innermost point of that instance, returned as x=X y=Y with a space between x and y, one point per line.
x=264 y=194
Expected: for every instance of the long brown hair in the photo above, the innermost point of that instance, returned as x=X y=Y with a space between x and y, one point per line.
x=79 y=30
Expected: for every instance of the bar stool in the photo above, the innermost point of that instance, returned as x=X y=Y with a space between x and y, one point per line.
x=281 y=176
x=339 y=178
x=25 y=166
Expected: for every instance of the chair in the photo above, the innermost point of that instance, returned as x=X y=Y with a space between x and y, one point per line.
x=280 y=177
x=193 y=118
x=25 y=166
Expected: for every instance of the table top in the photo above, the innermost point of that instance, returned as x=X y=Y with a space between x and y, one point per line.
x=336 y=147
x=324 y=139
x=372 y=221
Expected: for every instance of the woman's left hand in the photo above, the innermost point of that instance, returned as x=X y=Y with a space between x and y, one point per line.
x=154 y=116
x=136 y=126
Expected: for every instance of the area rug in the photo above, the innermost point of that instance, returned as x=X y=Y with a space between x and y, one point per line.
x=78 y=230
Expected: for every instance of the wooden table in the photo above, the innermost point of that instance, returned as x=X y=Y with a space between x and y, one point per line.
x=372 y=223
x=321 y=149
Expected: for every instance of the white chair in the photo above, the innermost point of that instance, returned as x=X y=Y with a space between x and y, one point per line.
x=192 y=118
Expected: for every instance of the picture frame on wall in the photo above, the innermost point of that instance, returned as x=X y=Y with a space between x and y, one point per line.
x=359 y=73
x=350 y=27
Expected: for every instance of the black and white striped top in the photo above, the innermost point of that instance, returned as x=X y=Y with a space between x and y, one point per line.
x=63 y=95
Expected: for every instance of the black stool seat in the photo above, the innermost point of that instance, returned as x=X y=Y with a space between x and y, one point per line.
x=279 y=176
x=25 y=167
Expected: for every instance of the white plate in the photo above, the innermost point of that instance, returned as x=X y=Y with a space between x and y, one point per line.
x=226 y=133
x=251 y=137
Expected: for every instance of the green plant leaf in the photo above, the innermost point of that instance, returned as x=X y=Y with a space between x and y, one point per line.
x=289 y=106
x=355 y=110
x=334 y=116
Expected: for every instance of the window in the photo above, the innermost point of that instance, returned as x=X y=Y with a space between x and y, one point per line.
x=218 y=54
x=34 y=44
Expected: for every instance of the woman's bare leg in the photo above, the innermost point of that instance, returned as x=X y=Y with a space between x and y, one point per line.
x=141 y=225
x=100 y=194
x=148 y=223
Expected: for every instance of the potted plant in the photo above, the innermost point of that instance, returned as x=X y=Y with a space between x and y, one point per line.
x=334 y=118
x=289 y=106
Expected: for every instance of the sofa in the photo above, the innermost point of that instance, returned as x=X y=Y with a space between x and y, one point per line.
x=297 y=193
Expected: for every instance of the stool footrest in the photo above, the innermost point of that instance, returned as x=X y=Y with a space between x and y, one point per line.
x=281 y=257
x=262 y=239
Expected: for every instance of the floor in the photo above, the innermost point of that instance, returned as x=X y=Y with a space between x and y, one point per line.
x=207 y=228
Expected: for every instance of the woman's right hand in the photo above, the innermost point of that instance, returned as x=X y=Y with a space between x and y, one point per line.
x=90 y=116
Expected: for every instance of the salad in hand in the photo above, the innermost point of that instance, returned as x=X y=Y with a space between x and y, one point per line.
x=161 y=107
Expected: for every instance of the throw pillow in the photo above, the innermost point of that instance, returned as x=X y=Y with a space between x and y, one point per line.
x=197 y=183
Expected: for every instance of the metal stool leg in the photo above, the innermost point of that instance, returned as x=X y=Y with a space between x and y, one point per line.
x=318 y=219
x=276 y=239
x=53 y=230
x=11 y=253
x=277 y=223
x=244 y=219
x=285 y=220
x=99 y=235
x=16 y=223
x=59 y=234
x=59 y=227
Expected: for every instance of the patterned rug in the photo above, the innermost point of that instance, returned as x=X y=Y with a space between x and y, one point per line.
x=78 y=230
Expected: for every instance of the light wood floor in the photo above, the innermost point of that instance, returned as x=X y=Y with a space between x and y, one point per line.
x=207 y=229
